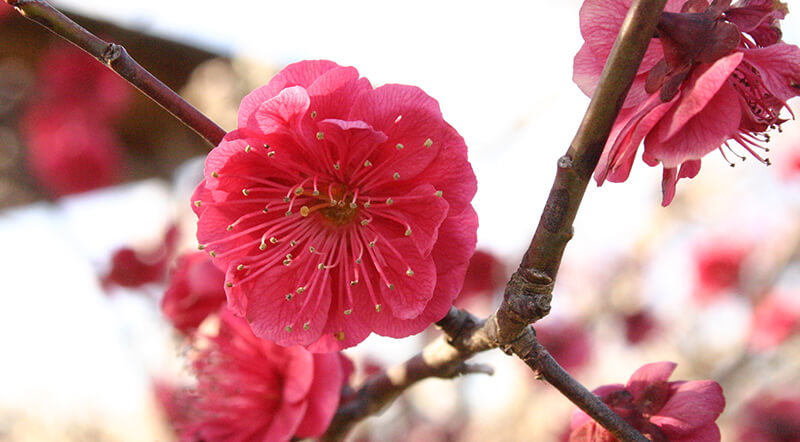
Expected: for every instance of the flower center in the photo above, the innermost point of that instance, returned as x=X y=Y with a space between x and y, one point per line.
x=341 y=207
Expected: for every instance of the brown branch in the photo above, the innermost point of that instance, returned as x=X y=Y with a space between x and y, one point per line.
x=529 y=292
x=117 y=59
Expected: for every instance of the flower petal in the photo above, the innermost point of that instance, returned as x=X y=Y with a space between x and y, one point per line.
x=323 y=397
x=700 y=91
x=280 y=113
x=649 y=374
x=692 y=406
x=779 y=67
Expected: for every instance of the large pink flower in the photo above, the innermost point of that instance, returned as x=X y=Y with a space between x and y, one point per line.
x=337 y=209
x=717 y=74
x=251 y=389
x=661 y=410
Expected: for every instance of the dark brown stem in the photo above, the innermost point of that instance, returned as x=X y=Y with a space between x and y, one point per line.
x=117 y=59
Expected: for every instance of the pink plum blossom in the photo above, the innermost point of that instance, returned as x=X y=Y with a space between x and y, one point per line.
x=252 y=389
x=662 y=410
x=567 y=341
x=770 y=418
x=196 y=290
x=717 y=74
x=775 y=318
x=718 y=264
x=485 y=275
x=337 y=209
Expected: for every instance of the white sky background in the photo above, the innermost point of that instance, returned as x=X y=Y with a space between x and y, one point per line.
x=502 y=74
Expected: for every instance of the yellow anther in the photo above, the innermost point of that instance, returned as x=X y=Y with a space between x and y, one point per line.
x=201 y=246
x=364 y=222
x=428 y=143
x=289 y=328
x=265 y=209
x=306 y=326
x=311 y=249
x=245 y=192
x=336 y=166
x=229 y=228
x=396 y=176
x=348 y=311
x=289 y=296
x=240 y=267
x=352 y=283
x=248 y=148
x=321 y=266
x=320 y=135
x=198 y=203
x=366 y=205
x=378 y=308
x=299 y=191
x=286 y=199
x=273 y=240
x=339 y=336
x=271 y=153
x=288 y=213
x=399 y=146
x=438 y=193
x=410 y=272
x=262 y=246
x=313 y=114
x=389 y=201
x=408 y=231
x=367 y=163
x=215 y=174
x=300 y=290
x=304 y=211
x=292 y=243
x=353 y=205
x=212 y=254
x=286 y=262
x=391 y=286
x=372 y=244
x=229 y=284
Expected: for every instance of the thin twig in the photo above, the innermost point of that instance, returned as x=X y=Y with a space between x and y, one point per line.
x=117 y=59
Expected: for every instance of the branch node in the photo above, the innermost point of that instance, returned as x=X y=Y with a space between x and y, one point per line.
x=565 y=162
x=112 y=53
x=526 y=300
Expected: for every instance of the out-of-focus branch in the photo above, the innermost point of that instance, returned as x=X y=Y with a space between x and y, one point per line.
x=117 y=59
x=529 y=291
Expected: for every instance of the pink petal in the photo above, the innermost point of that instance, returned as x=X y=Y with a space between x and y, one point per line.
x=693 y=405
x=323 y=397
x=697 y=94
x=668 y=181
x=280 y=113
x=586 y=74
x=420 y=209
x=351 y=141
x=649 y=374
x=617 y=159
x=302 y=73
x=709 y=433
x=779 y=66
x=285 y=422
x=299 y=374
x=706 y=131
x=689 y=169
x=335 y=92
x=269 y=311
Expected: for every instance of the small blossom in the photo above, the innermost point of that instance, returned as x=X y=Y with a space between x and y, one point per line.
x=639 y=326
x=337 y=210
x=769 y=418
x=661 y=410
x=196 y=290
x=252 y=389
x=775 y=318
x=133 y=268
x=484 y=276
x=718 y=264
x=567 y=341
x=716 y=75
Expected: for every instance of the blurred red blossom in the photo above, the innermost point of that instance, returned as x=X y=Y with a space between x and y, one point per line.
x=133 y=268
x=567 y=341
x=661 y=410
x=485 y=275
x=716 y=74
x=769 y=418
x=252 y=389
x=337 y=209
x=195 y=291
x=718 y=264
x=639 y=326
x=775 y=318
x=71 y=143
x=69 y=152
